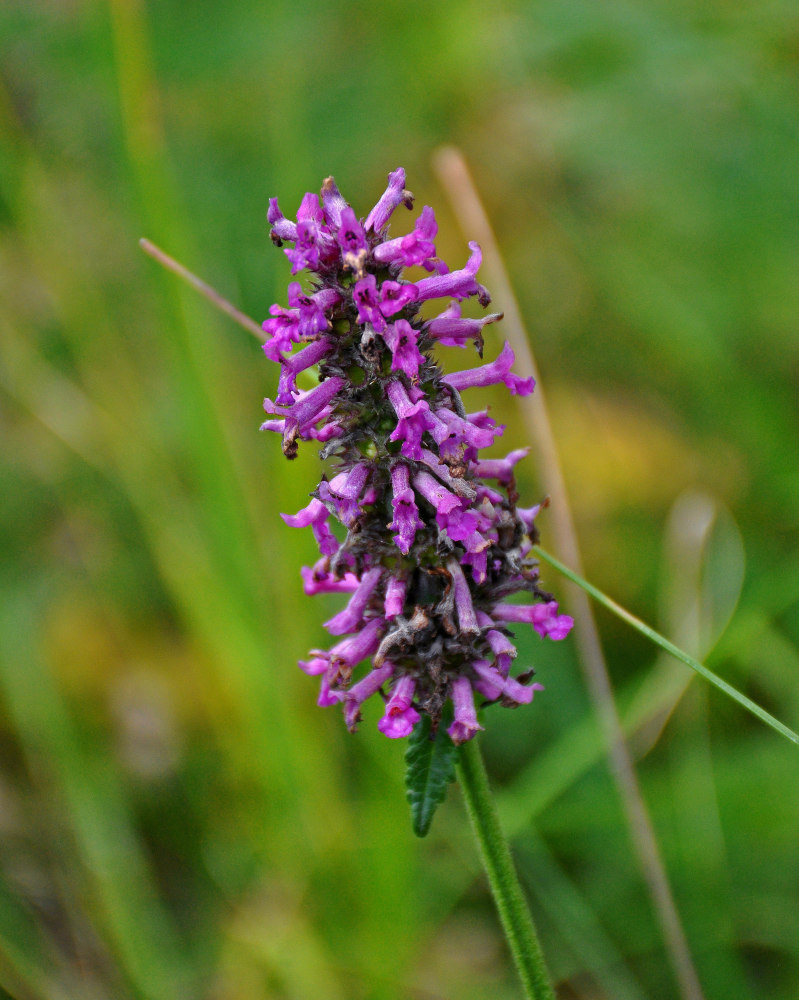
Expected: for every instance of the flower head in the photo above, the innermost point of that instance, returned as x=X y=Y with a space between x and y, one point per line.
x=431 y=552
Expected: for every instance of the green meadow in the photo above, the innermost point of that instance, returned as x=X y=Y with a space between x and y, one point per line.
x=178 y=819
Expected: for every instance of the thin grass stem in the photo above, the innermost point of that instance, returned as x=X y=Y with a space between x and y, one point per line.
x=203 y=288
x=669 y=647
x=468 y=207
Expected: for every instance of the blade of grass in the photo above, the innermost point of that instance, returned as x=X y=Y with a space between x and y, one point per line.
x=22 y=958
x=669 y=647
x=122 y=889
x=577 y=922
x=468 y=208
x=702 y=571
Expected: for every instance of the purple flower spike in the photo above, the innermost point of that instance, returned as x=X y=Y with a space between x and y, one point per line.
x=394 y=195
x=401 y=716
x=465 y=724
x=428 y=592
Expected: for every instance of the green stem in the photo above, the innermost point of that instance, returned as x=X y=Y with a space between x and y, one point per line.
x=664 y=643
x=495 y=852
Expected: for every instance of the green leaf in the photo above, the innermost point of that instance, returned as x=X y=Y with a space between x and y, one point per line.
x=430 y=768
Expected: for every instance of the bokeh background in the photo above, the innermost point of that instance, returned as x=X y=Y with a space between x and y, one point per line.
x=177 y=818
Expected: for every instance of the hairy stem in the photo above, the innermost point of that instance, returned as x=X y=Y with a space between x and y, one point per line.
x=507 y=892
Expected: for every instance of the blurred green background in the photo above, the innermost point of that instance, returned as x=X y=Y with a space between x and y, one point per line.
x=177 y=818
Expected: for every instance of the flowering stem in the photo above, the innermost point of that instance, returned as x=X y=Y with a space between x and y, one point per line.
x=507 y=892
x=664 y=643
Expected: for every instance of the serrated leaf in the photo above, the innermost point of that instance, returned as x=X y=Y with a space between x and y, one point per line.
x=430 y=768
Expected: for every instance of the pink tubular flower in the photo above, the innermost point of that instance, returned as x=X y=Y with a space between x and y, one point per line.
x=449 y=329
x=300 y=362
x=543 y=617
x=493 y=686
x=307 y=408
x=467 y=619
x=322 y=582
x=283 y=330
x=364 y=689
x=394 y=196
x=351 y=236
x=333 y=205
x=452 y=433
x=405 y=356
x=413 y=420
x=465 y=724
x=500 y=468
x=315 y=515
x=497 y=371
x=395 y=597
x=349 y=653
x=436 y=495
x=311 y=242
x=457 y=284
x=406 y=514
x=417 y=248
x=367 y=303
x=395 y=295
x=400 y=716
x=351 y=617
x=282 y=229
